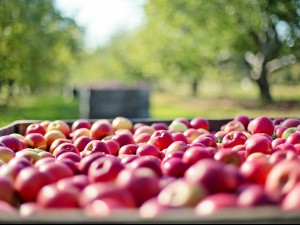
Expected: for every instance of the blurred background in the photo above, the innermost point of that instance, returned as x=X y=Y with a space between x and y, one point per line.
x=195 y=58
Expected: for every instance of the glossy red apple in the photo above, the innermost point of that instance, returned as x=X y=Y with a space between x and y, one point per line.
x=101 y=129
x=79 y=132
x=129 y=149
x=294 y=138
x=113 y=146
x=61 y=126
x=278 y=156
x=81 y=142
x=6 y=154
x=81 y=123
x=227 y=156
x=194 y=154
x=291 y=122
x=65 y=147
x=258 y=144
x=244 y=119
x=234 y=125
x=174 y=167
x=176 y=146
x=58 y=142
x=35 y=128
x=36 y=140
x=291 y=201
x=161 y=139
x=144 y=129
x=199 y=122
x=148 y=149
x=177 y=126
x=11 y=142
x=149 y=161
x=233 y=138
x=142 y=138
x=261 y=124
x=123 y=139
x=57 y=170
x=95 y=146
x=159 y=126
x=85 y=162
x=52 y=135
x=7 y=191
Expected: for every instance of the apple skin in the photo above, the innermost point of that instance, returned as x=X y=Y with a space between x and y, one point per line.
x=52 y=135
x=51 y=196
x=148 y=149
x=199 y=122
x=278 y=156
x=7 y=209
x=7 y=191
x=244 y=119
x=129 y=149
x=29 y=181
x=105 y=169
x=159 y=126
x=176 y=146
x=57 y=170
x=78 y=181
x=79 y=132
x=128 y=158
x=180 y=193
x=261 y=124
x=176 y=126
x=86 y=162
x=251 y=168
x=58 y=142
x=150 y=162
x=95 y=146
x=81 y=123
x=192 y=134
x=121 y=122
x=278 y=120
x=65 y=147
x=152 y=208
x=101 y=190
x=294 y=138
x=277 y=141
x=215 y=203
x=143 y=129
x=227 y=156
x=289 y=131
x=279 y=130
x=291 y=122
x=36 y=140
x=291 y=201
x=258 y=144
x=194 y=154
x=30 y=209
x=75 y=157
x=6 y=154
x=206 y=140
x=101 y=129
x=123 y=139
x=81 y=142
x=234 y=125
x=35 y=128
x=183 y=120
x=282 y=178
x=142 y=138
x=178 y=136
x=233 y=138
x=161 y=139
x=174 y=167
x=285 y=146
x=213 y=176
x=252 y=195
x=142 y=183
x=113 y=147
x=60 y=125
x=11 y=142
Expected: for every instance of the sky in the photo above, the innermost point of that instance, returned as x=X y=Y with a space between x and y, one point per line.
x=102 y=18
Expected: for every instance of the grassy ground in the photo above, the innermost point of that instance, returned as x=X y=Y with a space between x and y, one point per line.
x=213 y=101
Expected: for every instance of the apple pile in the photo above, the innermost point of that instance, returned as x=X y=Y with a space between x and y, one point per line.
x=105 y=166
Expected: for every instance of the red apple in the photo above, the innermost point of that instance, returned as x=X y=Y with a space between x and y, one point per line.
x=176 y=146
x=85 y=162
x=11 y=142
x=291 y=201
x=294 y=138
x=149 y=161
x=57 y=170
x=81 y=142
x=177 y=126
x=36 y=140
x=199 y=122
x=58 y=142
x=105 y=169
x=79 y=132
x=184 y=120
x=227 y=156
x=161 y=139
x=52 y=135
x=6 y=154
x=285 y=147
x=244 y=119
x=278 y=121
x=178 y=136
x=234 y=125
x=65 y=147
x=123 y=139
x=142 y=183
x=291 y=122
x=30 y=209
x=95 y=146
x=61 y=126
x=279 y=130
x=101 y=129
x=29 y=181
x=192 y=134
x=215 y=203
x=258 y=144
x=113 y=146
x=159 y=126
x=144 y=129
x=278 y=156
x=75 y=157
x=81 y=123
x=79 y=182
x=233 y=138
x=148 y=149
x=35 y=128
x=277 y=141
x=128 y=158
x=261 y=124
x=7 y=191
x=31 y=154
x=152 y=208
x=7 y=209
x=129 y=149
x=194 y=154
x=206 y=140
x=174 y=167
x=122 y=122
x=142 y=138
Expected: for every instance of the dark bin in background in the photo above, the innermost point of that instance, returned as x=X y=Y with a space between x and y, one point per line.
x=109 y=103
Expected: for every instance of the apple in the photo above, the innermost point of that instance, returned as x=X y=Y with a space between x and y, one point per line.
x=6 y=154
x=215 y=203
x=81 y=123
x=261 y=124
x=161 y=139
x=7 y=191
x=294 y=138
x=212 y=175
x=180 y=193
x=234 y=125
x=75 y=157
x=143 y=129
x=128 y=158
x=58 y=142
x=79 y=132
x=152 y=208
x=148 y=149
x=29 y=181
x=148 y=161
x=177 y=154
x=57 y=170
x=52 y=135
x=142 y=183
x=286 y=147
x=65 y=147
x=227 y=156
x=101 y=129
x=282 y=178
x=183 y=120
x=29 y=153
x=159 y=126
x=291 y=122
x=36 y=140
x=30 y=209
x=136 y=126
x=100 y=190
x=278 y=156
x=206 y=140
x=178 y=136
x=279 y=130
x=45 y=123
x=233 y=138
x=142 y=138
x=35 y=128
x=78 y=181
x=253 y=195
x=219 y=135
x=278 y=120
x=95 y=146
x=129 y=149
x=258 y=144
x=277 y=141
x=199 y=122
x=105 y=169
x=176 y=146
x=113 y=146
x=174 y=167
x=11 y=142
x=194 y=154
x=86 y=162
x=122 y=122
x=81 y=142
x=256 y=170
x=123 y=139
x=291 y=201
x=51 y=196
x=177 y=126
x=244 y=119
x=289 y=131
x=61 y=126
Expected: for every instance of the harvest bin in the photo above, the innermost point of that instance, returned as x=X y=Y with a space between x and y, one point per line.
x=229 y=216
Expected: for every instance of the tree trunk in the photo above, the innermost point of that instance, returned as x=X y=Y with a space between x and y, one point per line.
x=194 y=87
x=264 y=87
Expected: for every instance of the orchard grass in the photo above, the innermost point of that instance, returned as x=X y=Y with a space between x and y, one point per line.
x=212 y=102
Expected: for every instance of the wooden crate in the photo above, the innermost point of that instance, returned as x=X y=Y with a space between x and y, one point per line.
x=259 y=215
